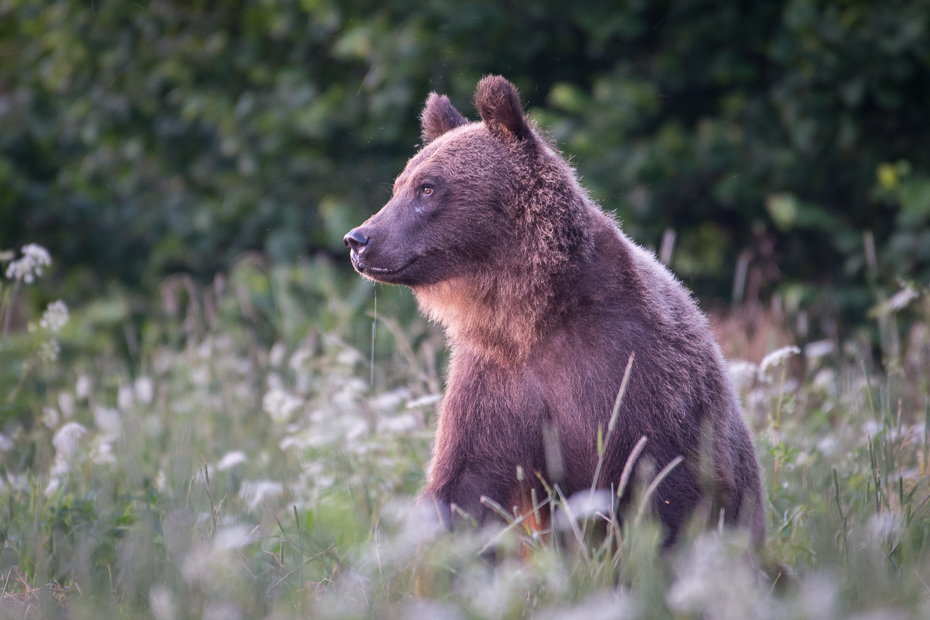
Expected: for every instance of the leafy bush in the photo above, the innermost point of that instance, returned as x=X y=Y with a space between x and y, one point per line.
x=175 y=136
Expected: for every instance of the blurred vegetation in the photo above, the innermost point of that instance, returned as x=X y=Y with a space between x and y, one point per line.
x=144 y=139
x=254 y=463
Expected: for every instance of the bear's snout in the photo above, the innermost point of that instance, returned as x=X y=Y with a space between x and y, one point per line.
x=356 y=240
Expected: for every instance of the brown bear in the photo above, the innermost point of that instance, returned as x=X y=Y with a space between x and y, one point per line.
x=543 y=300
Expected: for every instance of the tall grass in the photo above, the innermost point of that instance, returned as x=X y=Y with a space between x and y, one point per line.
x=250 y=457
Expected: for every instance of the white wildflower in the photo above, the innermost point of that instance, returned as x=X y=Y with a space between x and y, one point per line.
x=83 y=387
x=49 y=350
x=349 y=357
x=231 y=459
x=818 y=349
x=419 y=522
x=108 y=420
x=66 y=404
x=126 y=398
x=314 y=475
x=277 y=353
x=355 y=428
x=66 y=442
x=233 y=537
x=424 y=401
x=902 y=298
x=102 y=452
x=899 y=301
x=886 y=527
x=301 y=441
x=777 y=357
x=67 y=438
x=300 y=357
x=50 y=417
x=825 y=380
x=52 y=487
x=6 y=443
x=145 y=390
x=403 y=423
x=27 y=268
x=872 y=428
x=55 y=316
x=161 y=602
x=257 y=492
x=281 y=405
x=495 y=594
x=210 y=566
x=584 y=505
x=827 y=445
x=347 y=397
x=38 y=254
x=742 y=373
x=60 y=466
x=390 y=401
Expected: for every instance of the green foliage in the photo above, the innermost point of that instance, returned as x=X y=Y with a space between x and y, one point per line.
x=174 y=136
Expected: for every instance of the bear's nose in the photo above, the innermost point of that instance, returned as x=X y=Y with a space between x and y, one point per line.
x=356 y=239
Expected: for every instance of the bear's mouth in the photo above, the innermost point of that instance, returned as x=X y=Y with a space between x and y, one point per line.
x=378 y=273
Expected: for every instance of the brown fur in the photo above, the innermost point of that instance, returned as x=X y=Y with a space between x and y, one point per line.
x=543 y=299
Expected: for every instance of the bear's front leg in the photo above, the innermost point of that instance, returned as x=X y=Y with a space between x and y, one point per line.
x=489 y=428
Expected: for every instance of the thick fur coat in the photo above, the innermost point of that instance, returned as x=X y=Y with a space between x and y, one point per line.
x=543 y=300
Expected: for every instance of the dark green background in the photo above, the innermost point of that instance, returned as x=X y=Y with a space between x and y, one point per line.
x=142 y=139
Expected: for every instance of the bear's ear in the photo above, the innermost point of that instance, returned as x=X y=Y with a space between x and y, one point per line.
x=438 y=117
x=498 y=103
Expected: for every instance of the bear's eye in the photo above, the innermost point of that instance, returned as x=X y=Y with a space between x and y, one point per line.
x=427 y=190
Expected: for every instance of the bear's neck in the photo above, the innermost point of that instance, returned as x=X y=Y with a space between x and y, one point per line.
x=498 y=321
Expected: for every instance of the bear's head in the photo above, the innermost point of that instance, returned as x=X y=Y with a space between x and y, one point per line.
x=451 y=212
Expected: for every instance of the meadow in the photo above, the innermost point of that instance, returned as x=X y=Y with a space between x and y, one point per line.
x=253 y=449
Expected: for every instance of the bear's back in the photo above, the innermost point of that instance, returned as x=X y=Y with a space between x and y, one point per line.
x=678 y=395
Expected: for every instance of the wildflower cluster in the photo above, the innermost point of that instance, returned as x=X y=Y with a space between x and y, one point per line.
x=30 y=266
x=55 y=316
x=229 y=477
x=53 y=319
